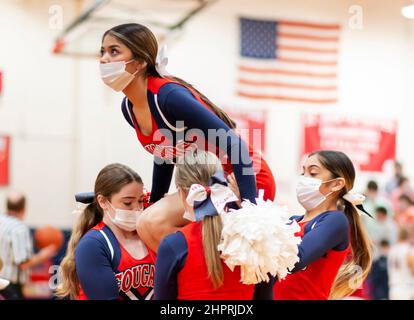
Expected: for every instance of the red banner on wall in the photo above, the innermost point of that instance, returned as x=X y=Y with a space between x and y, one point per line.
x=4 y=160
x=368 y=142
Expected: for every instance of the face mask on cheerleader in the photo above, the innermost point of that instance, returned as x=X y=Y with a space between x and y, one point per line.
x=308 y=194
x=115 y=76
x=125 y=219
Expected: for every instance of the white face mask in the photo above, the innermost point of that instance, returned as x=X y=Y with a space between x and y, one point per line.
x=125 y=219
x=114 y=75
x=308 y=194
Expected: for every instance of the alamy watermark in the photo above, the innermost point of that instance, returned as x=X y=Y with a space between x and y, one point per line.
x=172 y=147
x=56 y=17
x=356 y=20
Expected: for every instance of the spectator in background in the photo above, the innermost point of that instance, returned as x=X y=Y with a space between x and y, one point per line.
x=372 y=202
x=405 y=211
x=386 y=228
x=403 y=188
x=6 y=290
x=401 y=268
x=374 y=199
x=378 y=277
x=16 y=246
x=393 y=183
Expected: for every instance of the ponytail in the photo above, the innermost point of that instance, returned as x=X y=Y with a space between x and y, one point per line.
x=199 y=167
x=218 y=111
x=360 y=260
x=211 y=233
x=69 y=286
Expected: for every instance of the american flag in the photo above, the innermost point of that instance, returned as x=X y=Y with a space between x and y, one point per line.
x=288 y=61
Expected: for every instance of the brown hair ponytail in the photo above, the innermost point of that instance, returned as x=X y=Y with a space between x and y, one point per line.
x=353 y=272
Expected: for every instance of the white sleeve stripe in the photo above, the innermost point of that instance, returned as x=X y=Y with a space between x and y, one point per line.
x=127 y=109
x=165 y=119
x=149 y=296
x=131 y=295
x=111 y=249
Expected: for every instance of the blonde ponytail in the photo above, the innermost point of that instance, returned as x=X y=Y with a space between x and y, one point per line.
x=211 y=230
x=198 y=167
x=69 y=286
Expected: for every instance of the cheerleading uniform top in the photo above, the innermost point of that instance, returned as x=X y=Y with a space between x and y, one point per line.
x=181 y=272
x=324 y=247
x=106 y=271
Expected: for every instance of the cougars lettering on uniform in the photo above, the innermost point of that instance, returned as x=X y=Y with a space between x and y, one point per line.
x=170 y=152
x=138 y=276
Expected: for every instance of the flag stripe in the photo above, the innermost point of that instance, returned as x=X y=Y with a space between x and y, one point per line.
x=306 y=31
x=295 y=92
x=332 y=58
x=323 y=45
x=285 y=85
x=287 y=72
x=276 y=63
x=306 y=81
x=308 y=61
x=307 y=49
x=286 y=98
x=310 y=25
x=307 y=37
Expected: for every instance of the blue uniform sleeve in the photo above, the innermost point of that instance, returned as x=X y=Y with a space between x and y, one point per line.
x=331 y=232
x=181 y=105
x=94 y=270
x=171 y=257
x=161 y=179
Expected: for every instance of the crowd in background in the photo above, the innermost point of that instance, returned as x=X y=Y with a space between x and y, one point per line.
x=392 y=234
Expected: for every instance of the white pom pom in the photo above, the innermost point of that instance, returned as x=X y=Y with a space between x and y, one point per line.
x=260 y=239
